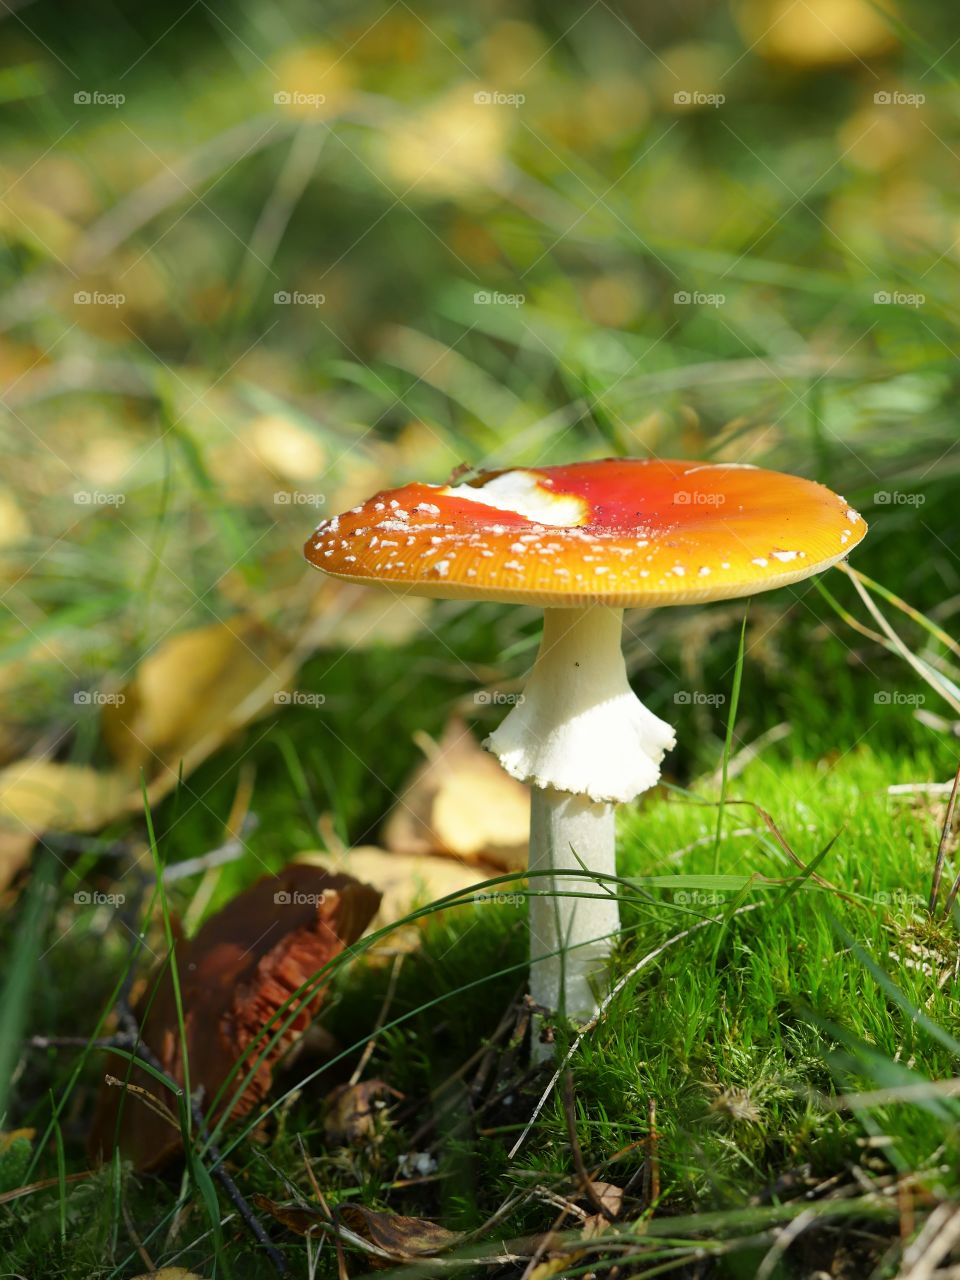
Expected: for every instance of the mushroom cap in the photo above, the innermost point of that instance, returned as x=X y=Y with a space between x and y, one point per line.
x=622 y=532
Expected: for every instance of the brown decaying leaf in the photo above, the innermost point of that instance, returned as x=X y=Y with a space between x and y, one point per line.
x=355 y=1110
x=460 y=802
x=402 y=1238
x=243 y=964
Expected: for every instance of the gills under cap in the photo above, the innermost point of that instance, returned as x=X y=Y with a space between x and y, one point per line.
x=622 y=532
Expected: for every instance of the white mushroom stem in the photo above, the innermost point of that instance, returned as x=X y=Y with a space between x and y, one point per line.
x=570 y=935
x=584 y=741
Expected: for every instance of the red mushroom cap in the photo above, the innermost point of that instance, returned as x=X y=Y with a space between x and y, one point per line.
x=621 y=532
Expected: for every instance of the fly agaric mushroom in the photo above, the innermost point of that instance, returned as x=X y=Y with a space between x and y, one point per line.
x=584 y=542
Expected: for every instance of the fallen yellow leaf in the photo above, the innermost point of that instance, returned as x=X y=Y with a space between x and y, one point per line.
x=405 y=881
x=190 y=694
x=460 y=802
x=41 y=795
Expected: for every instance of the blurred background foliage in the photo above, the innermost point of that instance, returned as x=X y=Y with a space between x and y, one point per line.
x=487 y=222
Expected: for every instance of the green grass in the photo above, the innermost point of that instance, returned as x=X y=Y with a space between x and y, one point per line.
x=742 y=1032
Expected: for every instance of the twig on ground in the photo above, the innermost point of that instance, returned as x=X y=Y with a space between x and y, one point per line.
x=942 y=853
x=586 y=1182
x=651 y=1164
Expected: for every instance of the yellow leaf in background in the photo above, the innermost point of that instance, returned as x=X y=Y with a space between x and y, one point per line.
x=454 y=146
x=460 y=802
x=815 y=33
x=348 y=616
x=14 y=525
x=287 y=449
x=15 y=850
x=311 y=82
x=41 y=795
x=191 y=693
x=476 y=814
x=406 y=881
